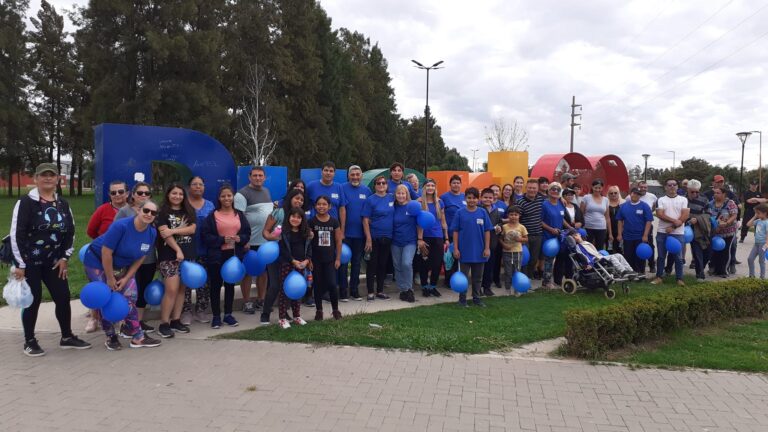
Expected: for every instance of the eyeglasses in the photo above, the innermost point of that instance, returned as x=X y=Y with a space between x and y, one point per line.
x=143 y=193
x=149 y=211
x=117 y=192
x=380 y=183
x=196 y=184
x=555 y=189
x=693 y=192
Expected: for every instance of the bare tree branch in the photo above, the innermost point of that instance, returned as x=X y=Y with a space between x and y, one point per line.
x=257 y=129
x=506 y=135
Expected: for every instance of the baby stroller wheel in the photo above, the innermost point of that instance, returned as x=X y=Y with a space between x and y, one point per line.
x=610 y=294
x=569 y=286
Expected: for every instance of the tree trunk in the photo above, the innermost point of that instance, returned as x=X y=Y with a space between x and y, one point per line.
x=10 y=180
x=80 y=177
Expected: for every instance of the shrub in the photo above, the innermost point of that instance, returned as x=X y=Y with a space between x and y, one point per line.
x=591 y=333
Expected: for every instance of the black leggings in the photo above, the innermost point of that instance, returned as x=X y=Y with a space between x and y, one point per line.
x=37 y=275
x=144 y=276
x=274 y=287
x=215 y=279
x=324 y=280
x=597 y=237
x=433 y=263
x=376 y=268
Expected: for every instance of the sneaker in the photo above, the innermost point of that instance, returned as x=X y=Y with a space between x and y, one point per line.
x=680 y=283
x=425 y=292
x=344 y=299
x=145 y=342
x=179 y=327
x=435 y=292
x=657 y=281
x=732 y=269
x=382 y=296
x=692 y=266
x=124 y=333
x=463 y=303
x=735 y=261
x=230 y=321
x=284 y=324
x=202 y=316
x=186 y=318
x=488 y=292
x=310 y=302
x=404 y=296
x=477 y=302
x=146 y=328
x=299 y=321
x=356 y=297
x=91 y=325
x=164 y=330
x=216 y=322
x=264 y=319
x=32 y=349
x=113 y=343
x=336 y=315
x=371 y=297
x=409 y=297
x=249 y=308
x=548 y=286
x=73 y=342
x=318 y=315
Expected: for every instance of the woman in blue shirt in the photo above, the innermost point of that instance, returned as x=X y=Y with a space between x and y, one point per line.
x=404 y=235
x=114 y=259
x=378 y=212
x=553 y=221
x=433 y=241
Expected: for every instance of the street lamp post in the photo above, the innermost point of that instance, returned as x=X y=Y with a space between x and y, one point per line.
x=426 y=108
x=760 y=161
x=743 y=138
x=673 y=163
x=645 y=171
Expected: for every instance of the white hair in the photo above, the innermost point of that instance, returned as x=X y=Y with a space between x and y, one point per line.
x=694 y=184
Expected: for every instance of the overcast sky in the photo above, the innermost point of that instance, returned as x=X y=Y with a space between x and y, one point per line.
x=652 y=75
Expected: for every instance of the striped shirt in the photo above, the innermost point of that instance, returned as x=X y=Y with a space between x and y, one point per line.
x=530 y=214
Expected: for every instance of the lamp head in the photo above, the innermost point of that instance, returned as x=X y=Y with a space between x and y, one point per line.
x=418 y=64
x=743 y=136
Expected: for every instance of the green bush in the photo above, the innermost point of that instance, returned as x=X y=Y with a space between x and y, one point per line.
x=590 y=333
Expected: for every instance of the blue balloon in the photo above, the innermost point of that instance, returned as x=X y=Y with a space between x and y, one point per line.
x=718 y=243
x=252 y=265
x=295 y=285
x=520 y=282
x=551 y=247
x=82 y=252
x=346 y=253
x=644 y=251
x=95 y=295
x=193 y=274
x=766 y=254
x=425 y=220
x=459 y=282
x=526 y=256
x=268 y=253
x=116 y=309
x=603 y=252
x=154 y=292
x=673 y=245
x=582 y=233
x=413 y=208
x=233 y=270
x=688 y=234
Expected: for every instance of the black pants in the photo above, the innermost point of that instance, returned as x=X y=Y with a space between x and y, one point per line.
x=144 y=276
x=700 y=257
x=562 y=268
x=497 y=265
x=350 y=288
x=652 y=260
x=630 y=253
x=473 y=272
x=429 y=271
x=377 y=266
x=720 y=260
x=744 y=228
x=214 y=277
x=534 y=247
x=274 y=286
x=37 y=275
x=597 y=237
x=489 y=269
x=324 y=280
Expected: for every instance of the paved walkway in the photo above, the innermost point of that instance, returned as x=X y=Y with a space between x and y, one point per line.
x=196 y=384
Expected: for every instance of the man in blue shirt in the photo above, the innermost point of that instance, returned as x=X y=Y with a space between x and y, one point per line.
x=396 y=173
x=635 y=218
x=453 y=200
x=326 y=186
x=355 y=193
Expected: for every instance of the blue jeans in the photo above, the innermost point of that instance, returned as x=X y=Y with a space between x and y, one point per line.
x=356 y=245
x=661 y=247
x=402 y=260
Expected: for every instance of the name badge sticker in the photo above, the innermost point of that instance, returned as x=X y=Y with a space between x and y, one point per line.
x=639 y=211
x=334 y=196
x=480 y=221
x=391 y=204
x=362 y=196
x=144 y=247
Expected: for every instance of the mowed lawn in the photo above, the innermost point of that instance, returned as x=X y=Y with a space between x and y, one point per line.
x=82 y=208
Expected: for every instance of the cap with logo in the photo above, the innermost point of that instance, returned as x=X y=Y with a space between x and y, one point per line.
x=46 y=167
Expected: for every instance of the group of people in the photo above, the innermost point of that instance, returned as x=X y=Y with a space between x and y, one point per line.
x=134 y=237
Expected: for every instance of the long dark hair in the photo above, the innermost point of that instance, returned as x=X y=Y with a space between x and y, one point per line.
x=303 y=228
x=225 y=186
x=166 y=207
x=288 y=198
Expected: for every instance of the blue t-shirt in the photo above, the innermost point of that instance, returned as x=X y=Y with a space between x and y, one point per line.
x=403 y=227
x=334 y=191
x=501 y=206
x=391 y=186
x=202 y=213
x=761 y=230
x=634 y=216
x=355 y=198
x=437 y=229
x=452 y=203
x=472 y=226
x=380 y=212
x=127 y=244
x=552 y=215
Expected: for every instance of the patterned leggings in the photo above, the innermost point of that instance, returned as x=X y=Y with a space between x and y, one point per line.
x=202 y=296
x=130 y=291
x=283 y=300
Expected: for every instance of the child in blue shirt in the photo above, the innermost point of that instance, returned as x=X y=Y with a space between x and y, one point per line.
x=471 y=227
x=760 y=222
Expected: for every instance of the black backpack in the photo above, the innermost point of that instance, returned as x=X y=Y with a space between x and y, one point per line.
x=6 y=254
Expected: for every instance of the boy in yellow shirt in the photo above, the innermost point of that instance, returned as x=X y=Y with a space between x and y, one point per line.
x=513 y=235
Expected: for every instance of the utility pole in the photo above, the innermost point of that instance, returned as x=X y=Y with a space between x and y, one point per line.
x=645 y=171
x=474 y=159
x=573 y=118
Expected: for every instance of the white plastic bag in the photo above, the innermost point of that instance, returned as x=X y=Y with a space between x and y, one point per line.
x=17 y=292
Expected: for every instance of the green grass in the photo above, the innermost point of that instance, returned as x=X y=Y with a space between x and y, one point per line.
x=740 y=346
x=445 y=328
x=82 y=208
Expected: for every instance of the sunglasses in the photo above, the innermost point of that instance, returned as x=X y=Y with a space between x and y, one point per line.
x=380 y=183
x=143 y=193
x=613 y=193
x=555 y=189
x=149 y=211
x=117 y=192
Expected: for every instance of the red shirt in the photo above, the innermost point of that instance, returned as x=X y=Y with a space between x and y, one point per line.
x=101 y=219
